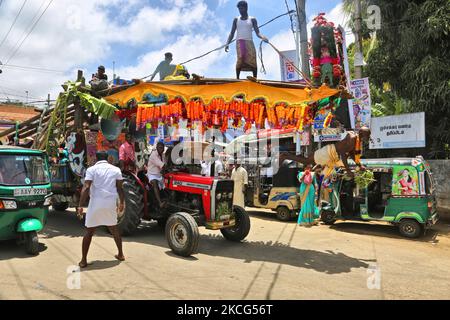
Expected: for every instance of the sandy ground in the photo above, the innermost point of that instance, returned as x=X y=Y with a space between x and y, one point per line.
x=277 y=261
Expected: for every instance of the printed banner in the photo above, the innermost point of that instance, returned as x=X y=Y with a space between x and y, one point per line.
x=360 y=107
x=401 y=131
x=288 y=72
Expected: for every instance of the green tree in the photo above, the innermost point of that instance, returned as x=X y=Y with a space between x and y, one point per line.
x=411 y=55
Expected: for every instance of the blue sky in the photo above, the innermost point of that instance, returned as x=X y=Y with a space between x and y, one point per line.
x=135 y=34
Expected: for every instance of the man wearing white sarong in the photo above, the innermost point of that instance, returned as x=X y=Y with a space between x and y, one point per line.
x=103 y=182
x=240 y=178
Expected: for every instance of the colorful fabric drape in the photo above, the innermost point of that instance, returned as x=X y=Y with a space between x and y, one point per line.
x=218 y=113
x=250 y=91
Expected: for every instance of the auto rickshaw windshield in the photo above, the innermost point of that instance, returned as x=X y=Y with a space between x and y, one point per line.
x=21 y=170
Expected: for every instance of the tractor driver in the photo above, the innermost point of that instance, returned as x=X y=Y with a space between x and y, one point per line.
x=155 y=166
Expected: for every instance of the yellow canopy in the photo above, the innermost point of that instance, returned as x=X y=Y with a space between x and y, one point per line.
x=250 y=90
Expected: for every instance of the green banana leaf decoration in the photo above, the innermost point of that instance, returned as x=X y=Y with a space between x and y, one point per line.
x=57 y=130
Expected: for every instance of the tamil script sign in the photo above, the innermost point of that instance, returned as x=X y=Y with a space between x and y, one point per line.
x=360 y=107
x=329 y=137
x=287 y=62
x=402 y=131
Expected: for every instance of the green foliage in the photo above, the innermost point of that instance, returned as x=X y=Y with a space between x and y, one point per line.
x=412 y=56
x=387 y=103
x=57 y=130
x=363 y=179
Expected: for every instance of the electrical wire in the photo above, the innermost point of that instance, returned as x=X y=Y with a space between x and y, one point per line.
x=37 y=69
x=28 y=34
x=14 y=22
x=6 y=93
x=225 y=45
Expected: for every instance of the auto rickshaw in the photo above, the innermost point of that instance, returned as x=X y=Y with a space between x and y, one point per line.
x=24 y=195
x=403 y=195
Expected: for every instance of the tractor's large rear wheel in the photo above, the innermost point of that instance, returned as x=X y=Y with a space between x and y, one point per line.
x=182 y=234
x=241 y=229
x=134 y=207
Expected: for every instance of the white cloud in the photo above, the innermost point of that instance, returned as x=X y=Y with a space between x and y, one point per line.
x=187 y=46
x=74 y=33
x=338 y=17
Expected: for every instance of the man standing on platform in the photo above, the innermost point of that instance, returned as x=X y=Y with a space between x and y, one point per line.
x=246 y=52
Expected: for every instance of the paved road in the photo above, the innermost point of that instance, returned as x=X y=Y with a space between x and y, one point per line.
x=278 y=261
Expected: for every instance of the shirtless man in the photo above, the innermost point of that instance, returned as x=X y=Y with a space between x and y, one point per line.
x=336 y=154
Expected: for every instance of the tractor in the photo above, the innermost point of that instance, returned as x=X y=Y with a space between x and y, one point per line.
x=192 y=200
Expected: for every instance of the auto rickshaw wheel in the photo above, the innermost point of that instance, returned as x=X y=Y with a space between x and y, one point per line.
x=410 y=228
x=328 y=217
x=182 y=234
x=32 y=243
x=284 y=214
x=242 y=227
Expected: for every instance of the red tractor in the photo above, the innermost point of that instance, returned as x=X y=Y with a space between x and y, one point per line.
x=192 y=201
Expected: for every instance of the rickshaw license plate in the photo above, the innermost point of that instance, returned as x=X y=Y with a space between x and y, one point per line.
x=29 y=192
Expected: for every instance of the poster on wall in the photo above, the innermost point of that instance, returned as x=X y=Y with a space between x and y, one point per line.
x=287 y=62
x=405 y=181
x=360 y=107
x=112 y=147
x=401 y=131
x=91 y=147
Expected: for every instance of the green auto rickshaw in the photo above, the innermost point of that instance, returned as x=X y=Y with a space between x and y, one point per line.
x=403 y=195
x=24 y=195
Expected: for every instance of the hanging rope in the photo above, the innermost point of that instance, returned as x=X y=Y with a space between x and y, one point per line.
x=223 y=46
x=260 y=56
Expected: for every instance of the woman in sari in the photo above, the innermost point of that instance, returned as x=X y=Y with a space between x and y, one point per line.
x=308 y=186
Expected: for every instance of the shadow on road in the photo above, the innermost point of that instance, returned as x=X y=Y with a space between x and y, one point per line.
x=390 y=231
x=267 y=216
x=11 y=250
x=217 y=246
x=101 y=265
x=274 y=252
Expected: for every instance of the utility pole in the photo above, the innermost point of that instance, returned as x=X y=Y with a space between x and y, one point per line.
x=304 y=58
x=114 y=71
x=359 y=57
x=301 y=17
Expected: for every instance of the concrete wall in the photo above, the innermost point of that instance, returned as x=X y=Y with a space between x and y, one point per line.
x=441 y=174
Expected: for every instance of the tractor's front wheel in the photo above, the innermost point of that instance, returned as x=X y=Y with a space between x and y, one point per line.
x=182 y=234
x=241 y=229
x=130 y=218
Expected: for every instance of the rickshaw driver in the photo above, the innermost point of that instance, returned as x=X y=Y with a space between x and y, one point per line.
x=8 y=172
x=336 y=155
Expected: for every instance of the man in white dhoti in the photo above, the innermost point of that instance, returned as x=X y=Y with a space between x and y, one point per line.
x=103 y=182
x=240 y=178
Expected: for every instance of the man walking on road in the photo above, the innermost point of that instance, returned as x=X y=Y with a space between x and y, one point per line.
x=103 y=182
